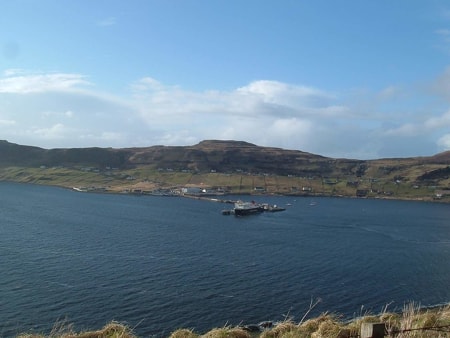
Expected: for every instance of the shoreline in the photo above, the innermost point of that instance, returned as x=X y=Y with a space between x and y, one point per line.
x=426 y=321
x=211 y=198
x=147 y=181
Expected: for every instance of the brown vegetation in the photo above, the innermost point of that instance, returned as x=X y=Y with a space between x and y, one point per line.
x=412 y=322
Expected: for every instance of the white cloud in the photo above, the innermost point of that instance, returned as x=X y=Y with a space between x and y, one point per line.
x=273 y=97
x=7 y=122
x=407 y=129
x=13 y=72
x=278 y=92
x=259 y=98
x=65 y=110
x=438 y=122
x=390 y=92
x=146 y=84
x=444 y=142
x=53 y=132
x=24 y=84
x=57 y=115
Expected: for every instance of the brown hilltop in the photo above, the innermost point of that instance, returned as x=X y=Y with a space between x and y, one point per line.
x=442 y=158
x=228 y=156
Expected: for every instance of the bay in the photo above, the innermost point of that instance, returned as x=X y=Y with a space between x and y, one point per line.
x=161 y=263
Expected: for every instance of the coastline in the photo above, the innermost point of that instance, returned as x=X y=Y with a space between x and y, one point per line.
x=146 y=181
x=213 y=197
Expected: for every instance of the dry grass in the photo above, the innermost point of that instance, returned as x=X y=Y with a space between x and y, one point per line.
x=413 y=322
x=423 y=323
x=64 y=330
x=227 y=332
x=183 y=333
x=282 y=329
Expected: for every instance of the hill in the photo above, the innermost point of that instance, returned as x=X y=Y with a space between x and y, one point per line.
x=232 y=166
x=224 y=156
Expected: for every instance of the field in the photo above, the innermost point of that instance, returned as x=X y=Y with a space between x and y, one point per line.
x=378 y=182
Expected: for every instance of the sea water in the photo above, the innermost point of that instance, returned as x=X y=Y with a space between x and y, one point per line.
x=162 y=263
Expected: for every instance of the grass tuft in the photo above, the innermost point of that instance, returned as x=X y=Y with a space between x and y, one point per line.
x=111 y=330
x=283 y=329
x=183 y=333
x=227 y=332
x=327 y=328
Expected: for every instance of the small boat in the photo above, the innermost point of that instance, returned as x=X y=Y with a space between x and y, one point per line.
x=273 y=208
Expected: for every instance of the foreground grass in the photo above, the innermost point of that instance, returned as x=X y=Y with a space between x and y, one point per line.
x=412 y=322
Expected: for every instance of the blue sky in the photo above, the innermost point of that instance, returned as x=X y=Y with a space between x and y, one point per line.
x=357 y=78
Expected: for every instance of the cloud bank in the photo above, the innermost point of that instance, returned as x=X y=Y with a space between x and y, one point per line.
x=53 y=110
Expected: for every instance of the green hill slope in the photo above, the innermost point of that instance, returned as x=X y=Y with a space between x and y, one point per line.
x=231 y=166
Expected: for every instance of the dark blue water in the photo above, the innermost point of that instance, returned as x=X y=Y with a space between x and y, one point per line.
x=161 y=263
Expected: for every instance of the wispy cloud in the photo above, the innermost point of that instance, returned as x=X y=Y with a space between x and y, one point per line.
x=444 y=35
x=7 y=122
x=390 y=92
x=438 y=122
x=407 y=129
x=441 y=86
x=53 y=132
x=66 y=110
x=106 y=22
x=445 y=13
x=23 y=84
x=444 y=141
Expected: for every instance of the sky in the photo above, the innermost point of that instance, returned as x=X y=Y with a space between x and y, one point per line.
x=356 y=79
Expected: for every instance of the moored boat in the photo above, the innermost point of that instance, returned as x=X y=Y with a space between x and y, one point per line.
x=273 y=208
x=247 y=208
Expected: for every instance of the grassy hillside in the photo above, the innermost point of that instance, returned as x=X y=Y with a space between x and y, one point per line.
x=227 y=166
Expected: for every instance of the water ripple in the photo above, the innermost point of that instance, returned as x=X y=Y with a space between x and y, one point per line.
x=160 y=264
